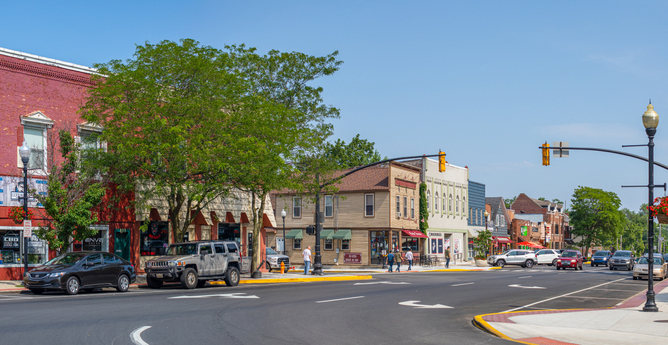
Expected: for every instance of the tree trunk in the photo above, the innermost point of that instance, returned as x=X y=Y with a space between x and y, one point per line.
x=257 y=225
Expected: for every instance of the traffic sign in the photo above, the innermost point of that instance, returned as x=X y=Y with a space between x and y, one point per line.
x=27 y=228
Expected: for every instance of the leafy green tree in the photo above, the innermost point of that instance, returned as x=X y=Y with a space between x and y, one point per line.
x=171 y=117
x=557 y=201
x=73 y=193
x=634 y=233
x=595 y=216
x=356 y=153
x=509 y=202
x=424 y=211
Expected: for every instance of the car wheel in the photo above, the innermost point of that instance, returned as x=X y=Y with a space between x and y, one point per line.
x=189 y=278
x=72 y=286
x=554 y=262
x=611 y=268
x=123 y=283
x=635 y=278
x=232 y=276
x=153 y=283
x=501 y=263
x=528 y=264
x=268 y=267
x=37 y=291
x=201 y=283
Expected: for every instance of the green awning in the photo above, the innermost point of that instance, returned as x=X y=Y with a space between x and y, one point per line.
x=295 y=233
x=326 y=234
x=342 y=235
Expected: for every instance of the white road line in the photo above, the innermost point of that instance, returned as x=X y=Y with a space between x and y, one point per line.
x=135 y=336
x=614 y=299
x=564 y=295
x=462 y=284
x=383 y=282
x=523 y=277
x=221 y=295
x=339 y=299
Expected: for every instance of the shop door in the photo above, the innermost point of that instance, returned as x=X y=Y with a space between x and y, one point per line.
x=379 y=246
x=122 y=243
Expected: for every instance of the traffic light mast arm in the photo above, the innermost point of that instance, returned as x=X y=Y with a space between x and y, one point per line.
x=611 y=151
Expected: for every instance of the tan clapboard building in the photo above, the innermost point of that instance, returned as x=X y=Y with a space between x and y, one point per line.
x=375 y=211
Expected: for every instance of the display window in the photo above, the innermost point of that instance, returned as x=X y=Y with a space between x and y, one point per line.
x=11 y=249
x=155 y=239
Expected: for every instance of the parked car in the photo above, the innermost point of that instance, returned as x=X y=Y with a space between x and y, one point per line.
x=641 y=269
x=274 y=260
x=570 y=259
x=194 y=263
x=547 y=256
x=601 y=257
x=77 y=271
x=622 y=258
x=521 y=257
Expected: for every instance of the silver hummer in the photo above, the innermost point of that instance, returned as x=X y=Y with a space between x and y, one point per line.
x=194 y=263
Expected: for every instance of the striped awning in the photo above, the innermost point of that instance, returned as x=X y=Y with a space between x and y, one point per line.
x=295 y=233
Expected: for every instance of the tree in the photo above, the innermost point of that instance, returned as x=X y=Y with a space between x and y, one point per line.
x=282 y=145
x=424 y=210
x=595 y=216
x=633 y=235
x=171 y=117
x=557 y=201
x=73 y=192
x=483 y=244
x=509 y=202
x=357 y=153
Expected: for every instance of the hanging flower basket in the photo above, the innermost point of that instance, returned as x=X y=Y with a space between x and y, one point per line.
x=18 y=215
x=660 y=210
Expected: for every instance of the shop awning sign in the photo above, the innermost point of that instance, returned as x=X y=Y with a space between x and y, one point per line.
x=413 y=233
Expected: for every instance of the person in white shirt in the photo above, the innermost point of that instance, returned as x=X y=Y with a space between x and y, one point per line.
x=409 y=258
x=307 y=259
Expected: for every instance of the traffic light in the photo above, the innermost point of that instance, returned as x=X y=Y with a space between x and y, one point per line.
x=441 y=161
x=546 y=154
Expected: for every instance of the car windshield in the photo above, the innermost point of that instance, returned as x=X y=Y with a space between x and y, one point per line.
x=569 y=254
x=271 y=252
x=182 y=249
x=657 y=261
x=66 y=259
x=505 y=253
x=601 y=253
x=623 y=254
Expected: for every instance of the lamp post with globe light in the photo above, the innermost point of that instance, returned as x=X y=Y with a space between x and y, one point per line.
x=650 y=119
x=283 y=214
x=24 y=152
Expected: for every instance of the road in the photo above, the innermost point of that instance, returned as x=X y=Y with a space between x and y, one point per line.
x=406 y=308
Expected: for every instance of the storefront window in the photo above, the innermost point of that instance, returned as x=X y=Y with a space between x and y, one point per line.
x=154 y=241
x=229 y=232
x=11 y=249
x=409 y=243
x=395 y=241
x=379 y=246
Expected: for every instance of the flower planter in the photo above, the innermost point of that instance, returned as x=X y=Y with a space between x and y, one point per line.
x=481 y=263
x=660 y=209
x=662 y=218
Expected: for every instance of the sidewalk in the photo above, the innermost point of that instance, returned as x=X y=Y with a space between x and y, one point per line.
x=623 y=324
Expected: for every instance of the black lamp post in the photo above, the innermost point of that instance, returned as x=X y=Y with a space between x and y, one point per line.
x=650 y=119
x=24 y=152
x=283 y=214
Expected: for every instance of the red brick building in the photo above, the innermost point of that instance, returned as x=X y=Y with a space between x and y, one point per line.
x=548 y=215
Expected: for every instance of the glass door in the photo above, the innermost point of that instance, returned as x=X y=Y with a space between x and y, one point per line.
x=379 y=246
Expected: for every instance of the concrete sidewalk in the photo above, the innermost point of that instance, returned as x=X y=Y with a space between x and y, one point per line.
x=623 y=324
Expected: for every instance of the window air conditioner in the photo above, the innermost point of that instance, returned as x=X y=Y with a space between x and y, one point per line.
x=398 y=214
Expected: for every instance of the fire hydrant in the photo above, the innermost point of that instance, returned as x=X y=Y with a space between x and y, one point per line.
x=282 y=267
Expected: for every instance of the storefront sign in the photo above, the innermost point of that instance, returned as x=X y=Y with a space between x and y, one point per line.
x=10 y=242
x=352 y=258
x=524 y=230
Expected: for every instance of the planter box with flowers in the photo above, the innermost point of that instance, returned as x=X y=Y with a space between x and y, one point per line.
x=660 y=209
x=18 y=215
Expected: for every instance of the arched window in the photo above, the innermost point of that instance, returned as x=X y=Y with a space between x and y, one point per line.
x=457 y=205
x=450 y=204
x=444 y=202
x=428 y=201
x=436 y=202
x=464 y=204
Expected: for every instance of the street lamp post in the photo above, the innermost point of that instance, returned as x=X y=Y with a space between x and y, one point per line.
x=24 y=152
x=283 y=214
x=650 y=119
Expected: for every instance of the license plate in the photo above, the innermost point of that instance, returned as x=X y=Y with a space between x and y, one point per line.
x=159 y=275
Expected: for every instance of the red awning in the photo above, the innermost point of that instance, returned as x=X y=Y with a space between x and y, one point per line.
x=502 y=240
x=413 y=233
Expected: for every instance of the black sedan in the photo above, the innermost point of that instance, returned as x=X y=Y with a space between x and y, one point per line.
x=81 y=271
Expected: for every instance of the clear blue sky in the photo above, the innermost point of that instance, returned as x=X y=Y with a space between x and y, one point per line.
x=485 y=81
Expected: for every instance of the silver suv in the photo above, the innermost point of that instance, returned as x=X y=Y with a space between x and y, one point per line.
x=194 y=263
x=521 y=257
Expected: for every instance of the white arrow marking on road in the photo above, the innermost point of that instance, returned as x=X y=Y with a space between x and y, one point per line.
x=424 y=306
x=339 y=299
x=526 y=287
x=221 y=295
x=462 y=284
x=389 y=283
x=135 y=336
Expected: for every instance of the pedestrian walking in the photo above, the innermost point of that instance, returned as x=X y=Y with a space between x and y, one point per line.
x=307 y=259
x=409 y=258
x=398 y=256
x=447 y=257
x=390 y=260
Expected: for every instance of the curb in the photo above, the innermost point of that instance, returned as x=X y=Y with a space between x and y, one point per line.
x=296 y=280
x=479 y=322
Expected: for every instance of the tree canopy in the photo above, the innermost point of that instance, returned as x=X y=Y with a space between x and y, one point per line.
x=356 y=153
x=595 y=216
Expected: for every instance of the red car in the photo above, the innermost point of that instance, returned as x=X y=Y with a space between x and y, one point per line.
x=570 y=259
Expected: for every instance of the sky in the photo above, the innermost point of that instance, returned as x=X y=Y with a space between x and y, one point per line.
x=487 y=82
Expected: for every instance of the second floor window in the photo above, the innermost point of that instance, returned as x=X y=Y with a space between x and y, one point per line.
x=436 y=202
x=296 y=207
x=412 y=208
x=368 y=205
x=398 y=204
x=405 y=207
x=428 y=201
x=36 y=140
x=457 y=205
x=329 y=206
x=450 y=204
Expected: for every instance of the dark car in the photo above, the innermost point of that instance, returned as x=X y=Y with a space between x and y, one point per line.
x=622 y=258
x=570 y=259
x=601 y=257
x=81 y=271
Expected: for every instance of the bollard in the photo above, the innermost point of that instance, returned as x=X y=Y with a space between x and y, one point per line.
x=282 y=267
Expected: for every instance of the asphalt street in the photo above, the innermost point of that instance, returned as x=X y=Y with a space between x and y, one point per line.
x=415 y=308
